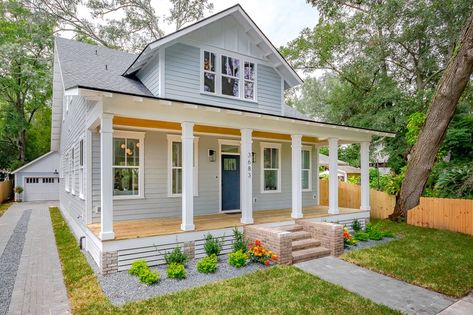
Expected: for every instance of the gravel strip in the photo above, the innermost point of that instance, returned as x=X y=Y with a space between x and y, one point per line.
x=10 y=260
x=370 y=243
x=122 y=287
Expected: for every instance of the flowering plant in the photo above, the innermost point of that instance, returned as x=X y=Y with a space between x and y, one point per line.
x=348 y=239
x=260 y=254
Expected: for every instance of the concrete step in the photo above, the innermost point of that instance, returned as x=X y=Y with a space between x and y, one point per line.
x=300 y=235
x=290 y=227
x=309 y=254
x=305 y=243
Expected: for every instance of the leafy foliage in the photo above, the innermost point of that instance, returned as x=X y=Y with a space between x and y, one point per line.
x=176 y=256
x=137 y=267
x=213 y=245
x=238 y=258
x=239 y=241
x=207 y=264
x=356 y=225
x=176 y=271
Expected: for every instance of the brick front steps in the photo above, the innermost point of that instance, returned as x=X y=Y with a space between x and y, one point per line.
x=304 y=247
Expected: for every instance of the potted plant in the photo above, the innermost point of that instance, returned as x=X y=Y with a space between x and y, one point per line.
x=18 y=192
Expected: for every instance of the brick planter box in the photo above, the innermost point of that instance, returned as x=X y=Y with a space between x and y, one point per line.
x=279 y=242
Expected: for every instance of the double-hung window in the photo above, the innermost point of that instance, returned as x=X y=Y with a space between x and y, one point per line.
x=271 y=167
x=228 y=76
x=73 y=172
x=81 y=168
x=175 y=165
x=306 y=166
x=128 y=169
x=66 y=172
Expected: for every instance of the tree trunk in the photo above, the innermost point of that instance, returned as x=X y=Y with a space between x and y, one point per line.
x=21 y=144
x=441 y=111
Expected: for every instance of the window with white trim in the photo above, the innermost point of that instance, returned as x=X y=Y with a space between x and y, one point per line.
x=73 y=172
x=128 y=169
x=271 y=167
x=306 y=165
x=230 y=80
x=67 y=172
x=175 y=165
x=81 y=168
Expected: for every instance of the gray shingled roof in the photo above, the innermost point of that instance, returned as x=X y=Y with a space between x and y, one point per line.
x=96 y=67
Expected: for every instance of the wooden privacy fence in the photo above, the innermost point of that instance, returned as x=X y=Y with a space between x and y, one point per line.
x=5 y=190
x=349 y=195
x=440 y=213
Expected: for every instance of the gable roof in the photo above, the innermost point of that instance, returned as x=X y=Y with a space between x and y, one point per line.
x=34 y=161
x=95 y=66
x=290 y=76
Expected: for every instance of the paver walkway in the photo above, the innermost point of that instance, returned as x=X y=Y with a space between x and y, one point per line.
x=396 y=294
x=462 y=307
x=39 y=286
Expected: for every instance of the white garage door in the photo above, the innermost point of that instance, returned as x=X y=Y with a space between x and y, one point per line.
x=41 y=188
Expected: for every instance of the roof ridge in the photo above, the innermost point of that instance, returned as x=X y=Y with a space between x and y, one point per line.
x=94 y=45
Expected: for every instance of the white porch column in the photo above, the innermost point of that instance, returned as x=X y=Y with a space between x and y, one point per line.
x=333 y=176
x=187 y=176
x=246 y=177
x=317 y=175
x=106 y=176
x=296 y=176
x=365 y=175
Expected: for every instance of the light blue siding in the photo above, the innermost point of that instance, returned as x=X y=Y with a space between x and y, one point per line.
x=149 y=76
x=182 y=81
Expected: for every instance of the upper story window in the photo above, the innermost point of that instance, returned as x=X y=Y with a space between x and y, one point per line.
x=230 y=80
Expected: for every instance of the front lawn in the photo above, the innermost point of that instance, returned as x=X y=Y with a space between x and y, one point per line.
x=277 y=290
x=4 y=207
x=439 y=260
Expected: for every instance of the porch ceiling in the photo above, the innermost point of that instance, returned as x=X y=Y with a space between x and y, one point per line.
x=167 y=125
x=131 y=229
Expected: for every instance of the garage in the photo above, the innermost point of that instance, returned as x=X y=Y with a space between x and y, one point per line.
x=39 y=178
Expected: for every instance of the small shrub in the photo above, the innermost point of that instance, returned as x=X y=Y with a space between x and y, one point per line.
x=361 y=236
x=258 y=253
x=374 y=232
x=356 y=225
x=237 y=259
x=148 y=277
x=388 y=234
x=18 y=189
x=348 y=239
x=207 y=264
x=176 y=256
x=213 y=245
x=176 y=271
x=239 y=242
x=137 y=267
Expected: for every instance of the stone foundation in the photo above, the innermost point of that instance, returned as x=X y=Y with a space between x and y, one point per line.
x=189 y=249
x=109 y=262
x=329 y=234
x=279 y=242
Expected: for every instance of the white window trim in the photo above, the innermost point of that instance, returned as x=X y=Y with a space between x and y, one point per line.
x=219 y=75
x=178 y=138
x=81 y=168
x=264 y=145
x=73 y=168
x=67 y=172
x=140 y=136
x=307 y=148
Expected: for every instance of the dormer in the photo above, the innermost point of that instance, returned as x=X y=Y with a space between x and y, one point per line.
x=223 y=60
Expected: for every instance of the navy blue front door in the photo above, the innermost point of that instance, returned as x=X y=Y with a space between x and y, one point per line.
x=230 y=182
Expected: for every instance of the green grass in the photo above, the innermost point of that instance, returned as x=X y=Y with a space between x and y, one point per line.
x=439 y=260
x=277 y=290
x=4 y=207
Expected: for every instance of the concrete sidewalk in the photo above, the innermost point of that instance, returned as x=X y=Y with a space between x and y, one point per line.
x=39 y=285
x=381 y=289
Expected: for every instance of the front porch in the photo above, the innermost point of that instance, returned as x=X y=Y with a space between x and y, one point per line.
x=132 y=229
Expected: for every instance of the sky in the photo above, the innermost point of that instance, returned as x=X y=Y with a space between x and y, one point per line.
x=280 y=20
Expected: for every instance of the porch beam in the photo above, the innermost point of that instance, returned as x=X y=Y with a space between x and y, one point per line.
x=365 y=177
x=296 y=176
x=246 y=177
x=187 y=176
x=106 y=176
x=333 y=176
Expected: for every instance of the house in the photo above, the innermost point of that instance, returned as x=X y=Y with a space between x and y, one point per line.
x=190 y=136
x=39 y=178
x=344 y=170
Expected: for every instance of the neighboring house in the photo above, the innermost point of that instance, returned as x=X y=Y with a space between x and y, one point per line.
x=39 y=178
x=157 y=149
x=344 y=170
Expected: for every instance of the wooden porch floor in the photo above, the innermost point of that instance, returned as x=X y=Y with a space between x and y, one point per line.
x=163 y=226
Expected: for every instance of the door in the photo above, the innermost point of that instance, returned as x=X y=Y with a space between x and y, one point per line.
x=230 y=182
x=41 y=188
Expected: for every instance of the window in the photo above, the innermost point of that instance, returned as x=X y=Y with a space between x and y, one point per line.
x=306 y=168
x=48 y=180
x=127 y=166
x=32 y=180
x=271 y=167
x=249 y=85
x=81 y=168
x=67 y=172
x=223 y=75
x=209 y=72
x=230 y=76
x=175 y=165
x=73 y=172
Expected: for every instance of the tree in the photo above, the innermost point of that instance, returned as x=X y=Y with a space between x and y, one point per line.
x=448 y=92
x=25 y=74
x=187 y=11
